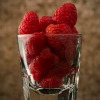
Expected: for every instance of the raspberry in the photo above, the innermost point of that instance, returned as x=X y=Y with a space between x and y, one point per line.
x=74 y=30
x=66 y=14
x=38 y=64
x=56 y=42
x=51 y=82
x=44 y=63
x=46 y=53
x=29 y=23
x=60 y=71
x=36 y=43
x=63 y=46
x=37 y=75
x=49 y=57
x=45 y=21
x=57 y=45
x=58 y=29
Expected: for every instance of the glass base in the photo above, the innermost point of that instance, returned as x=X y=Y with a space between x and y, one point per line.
x=48 y=94
x=65 y=95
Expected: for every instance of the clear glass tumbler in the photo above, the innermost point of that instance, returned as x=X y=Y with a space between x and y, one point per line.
x=51 y=71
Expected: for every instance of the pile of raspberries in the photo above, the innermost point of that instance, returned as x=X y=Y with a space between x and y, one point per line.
x=50 y=49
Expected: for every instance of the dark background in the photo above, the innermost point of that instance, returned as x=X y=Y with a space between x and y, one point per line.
x=11 y=12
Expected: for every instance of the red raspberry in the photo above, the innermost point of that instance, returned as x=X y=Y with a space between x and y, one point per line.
x=66 y=14
x=36 y=43
x=51 y=82
x=46 y=53
x=74 y=30
x=63 y=46
x=29 y=23
x=38 y=64
x=60 y=71
x=49 y=57
x=45 y=21
x=56 y=42
x=37 y=75
x=57 y=45
x=58 y=29
x=43 y=63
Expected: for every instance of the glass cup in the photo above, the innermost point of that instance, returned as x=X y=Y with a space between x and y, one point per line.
x=50 y=65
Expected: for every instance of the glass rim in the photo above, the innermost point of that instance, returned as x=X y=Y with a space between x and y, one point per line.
x=19 y=35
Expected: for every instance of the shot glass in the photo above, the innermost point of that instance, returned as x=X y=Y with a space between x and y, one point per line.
x=50 y=65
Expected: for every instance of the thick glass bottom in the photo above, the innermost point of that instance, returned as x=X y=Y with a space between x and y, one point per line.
x=30 y=93
x=50 y=94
